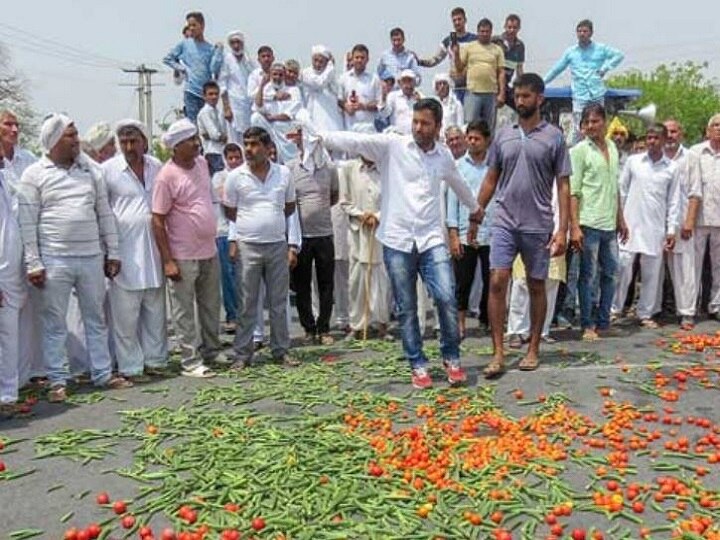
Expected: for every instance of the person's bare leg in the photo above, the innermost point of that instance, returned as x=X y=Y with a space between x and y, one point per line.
x=461 y=322
x=499 y=280
x=538 y=311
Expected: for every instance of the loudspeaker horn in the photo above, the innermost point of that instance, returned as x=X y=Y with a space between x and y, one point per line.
x=646 y=114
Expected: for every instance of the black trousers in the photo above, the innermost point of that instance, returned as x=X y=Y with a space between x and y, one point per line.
x=320 y=251
x=464 y=274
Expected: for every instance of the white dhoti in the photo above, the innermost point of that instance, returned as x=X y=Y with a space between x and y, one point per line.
x=138 y=328
x=519 y=311
x=286 y=149
x=650 y=272
x=9 y=353
x=682 y=271
x=476 y=291
x=369 y=294
x=708 y=237
x=242 y=113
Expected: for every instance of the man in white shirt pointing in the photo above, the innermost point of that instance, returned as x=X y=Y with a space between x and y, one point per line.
x=411 y=231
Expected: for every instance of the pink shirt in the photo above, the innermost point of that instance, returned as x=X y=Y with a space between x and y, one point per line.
x=184 y=198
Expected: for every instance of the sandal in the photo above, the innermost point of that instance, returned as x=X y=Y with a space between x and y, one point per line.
x=119 y=383
x=527 y=364
x=198 y=372
x=649 y=323
x=494 y=369
x=515 y=341
x=57 y=394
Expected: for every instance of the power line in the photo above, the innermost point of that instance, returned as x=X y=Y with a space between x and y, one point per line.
x=33 y=48
x=70 y=49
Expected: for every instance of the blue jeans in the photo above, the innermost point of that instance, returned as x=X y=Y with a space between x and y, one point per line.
x=599 y=250
x=480 y=106
x=434 y=267
x=193 y=104
x=227 y=279
x=86 y=276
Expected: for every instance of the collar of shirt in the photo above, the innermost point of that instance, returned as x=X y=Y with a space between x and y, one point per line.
x=414 y=146
x=663 y=161
x=79 y=163
x=706 y=148
x=542 y=125
x=468 y=158
x=245 y=169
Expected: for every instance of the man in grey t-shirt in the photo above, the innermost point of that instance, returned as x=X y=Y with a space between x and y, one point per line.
x=524 y=161
x=316 y=187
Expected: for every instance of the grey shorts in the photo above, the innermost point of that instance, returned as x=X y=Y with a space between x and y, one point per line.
x=505 y=244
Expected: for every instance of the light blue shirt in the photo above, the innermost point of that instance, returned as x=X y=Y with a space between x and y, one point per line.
x=458 y=215
x=587 y=66
x=199 y=60
x=393 y=63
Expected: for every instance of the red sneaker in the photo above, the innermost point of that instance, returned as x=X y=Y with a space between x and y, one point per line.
x=455 y=374
x=421 y=378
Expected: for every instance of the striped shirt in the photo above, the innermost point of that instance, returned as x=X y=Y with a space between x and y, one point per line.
x=65 y=212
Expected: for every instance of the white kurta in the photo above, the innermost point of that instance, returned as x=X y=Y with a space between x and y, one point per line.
x=651 y=191
x=14 y=295
x=279 y=129
x=131 y=202
x=31 y=359
x=453 y=112
x=322 y=93
x=398 y=108
x=369 y=283
x=234 y=79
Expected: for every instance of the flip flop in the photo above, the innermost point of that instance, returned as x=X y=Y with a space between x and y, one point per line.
x=198 y=372
x=528 y=365
x=494 y=369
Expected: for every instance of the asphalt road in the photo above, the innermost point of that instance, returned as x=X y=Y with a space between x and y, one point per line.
x=60 y=485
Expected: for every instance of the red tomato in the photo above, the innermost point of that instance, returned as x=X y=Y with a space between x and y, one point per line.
x=93 y=531
x=578 y=534
x=128 y=522
x=258 y=524
x=167 y=534
x=119 y=507
x=2 y=466
x=103 y=498
x=83 y=535
x=71 y=534
x=145 y=531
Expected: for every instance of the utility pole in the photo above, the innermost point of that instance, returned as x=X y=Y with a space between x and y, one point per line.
x=144 y=90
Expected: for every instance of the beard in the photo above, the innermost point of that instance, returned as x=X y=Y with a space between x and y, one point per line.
x=525 y=111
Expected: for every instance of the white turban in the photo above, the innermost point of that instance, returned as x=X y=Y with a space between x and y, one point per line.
x=131 y=122
x=178 y=132
x=442 y=77
x=407 y=74
x=98 y=136
x=236 y=34
x=52 y=130
x=322 y=50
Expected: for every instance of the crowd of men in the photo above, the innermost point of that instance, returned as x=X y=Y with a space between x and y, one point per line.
x=345 y=185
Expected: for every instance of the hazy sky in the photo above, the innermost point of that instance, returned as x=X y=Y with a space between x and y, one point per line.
x=99 y=37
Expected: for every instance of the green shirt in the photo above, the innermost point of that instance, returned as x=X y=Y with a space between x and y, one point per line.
x=594 y=182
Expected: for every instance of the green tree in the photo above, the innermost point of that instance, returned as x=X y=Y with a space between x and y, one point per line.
x=680 y=91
